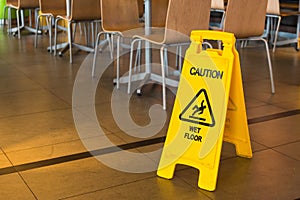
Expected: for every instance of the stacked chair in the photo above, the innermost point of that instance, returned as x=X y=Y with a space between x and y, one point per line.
x=20 y=6
x=49 y=10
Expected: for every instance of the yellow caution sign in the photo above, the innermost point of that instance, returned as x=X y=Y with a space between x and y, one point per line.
x=209 y=106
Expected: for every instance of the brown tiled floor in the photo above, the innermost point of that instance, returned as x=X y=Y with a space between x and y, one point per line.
x=43 y=156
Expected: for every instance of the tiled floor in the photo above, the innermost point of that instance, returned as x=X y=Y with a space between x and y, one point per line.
x=44 y=156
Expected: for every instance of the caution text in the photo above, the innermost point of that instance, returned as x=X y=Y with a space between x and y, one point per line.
x=209 y=73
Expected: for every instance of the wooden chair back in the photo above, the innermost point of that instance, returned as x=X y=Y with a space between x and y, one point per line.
x=53 y=6
x=85 y=10
x=159 y=12
x=119 y=15
x=184 y=16
x=29 y=4
x=141 y=7
x=12 y=2
x=273 y=7
x=217 y=4
x=245 y=18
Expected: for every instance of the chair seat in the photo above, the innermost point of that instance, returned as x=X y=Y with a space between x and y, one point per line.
x=285 y=13
x=130 y=28
x=13 y=5
x=289 y=13
x=158 y=36
x=65 y=17
x=55 y=12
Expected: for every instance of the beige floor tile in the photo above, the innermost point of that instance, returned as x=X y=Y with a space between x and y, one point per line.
x=21 y=103
x=37 y=154
x=12 y=187
x=56 y=151
x=36 y=130
x=4 y=162
x=26 y=56
x=54 y=79
x=157 y=146
x=8 y=70
x=141 y=134
x=137 y=117
x=64 y=93
x=52 y=66
x=152 y=151
x=152 y=188
x=17 y=83
x=75 y=178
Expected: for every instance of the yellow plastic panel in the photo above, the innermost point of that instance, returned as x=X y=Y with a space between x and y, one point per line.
x=196 y=129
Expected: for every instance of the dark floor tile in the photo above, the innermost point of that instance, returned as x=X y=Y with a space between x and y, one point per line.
x=276 y=132
x=292 y=150
x=255 y=178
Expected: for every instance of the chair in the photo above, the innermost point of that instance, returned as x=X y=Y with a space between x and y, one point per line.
x=273 y=11
x=183 y=16
x=125 y=17
x=218 y=6
x=246 y=20
x=50 y=10
x=20 y=6
x=81 y=11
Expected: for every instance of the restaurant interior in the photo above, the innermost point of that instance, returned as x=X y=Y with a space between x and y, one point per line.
x=81 y=116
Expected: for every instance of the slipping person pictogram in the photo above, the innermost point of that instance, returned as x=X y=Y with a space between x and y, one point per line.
x=199 y=111
x=196 y=114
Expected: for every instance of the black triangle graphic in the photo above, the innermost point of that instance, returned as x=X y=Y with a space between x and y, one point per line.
x=197 y=120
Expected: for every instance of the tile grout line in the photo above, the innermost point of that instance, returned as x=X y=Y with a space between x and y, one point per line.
x=113 y=149
x=19 y=174
x=107 y=188
x=273 y=148
x=33 y=113
x=79 y=156
x=274 y=116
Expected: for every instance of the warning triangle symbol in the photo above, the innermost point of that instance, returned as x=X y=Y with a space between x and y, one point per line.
x=199 y=110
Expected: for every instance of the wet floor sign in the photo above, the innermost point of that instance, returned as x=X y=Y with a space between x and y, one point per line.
x=209 y=108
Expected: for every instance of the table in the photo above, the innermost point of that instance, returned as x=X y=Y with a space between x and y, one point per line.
x=65 y=46
x=148 y=75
